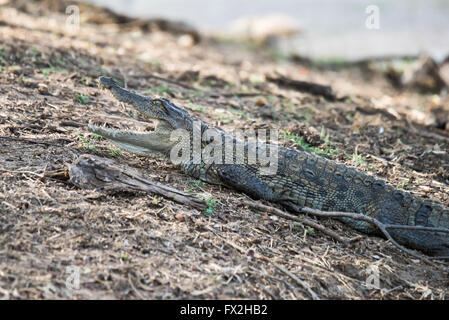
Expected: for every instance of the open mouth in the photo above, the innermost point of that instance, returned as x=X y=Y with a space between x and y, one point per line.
x=149 y=142
x=122 y=95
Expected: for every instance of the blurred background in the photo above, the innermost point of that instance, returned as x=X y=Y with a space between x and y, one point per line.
x=326 y=29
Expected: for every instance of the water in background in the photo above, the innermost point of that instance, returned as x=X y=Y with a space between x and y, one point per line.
x=333 y=29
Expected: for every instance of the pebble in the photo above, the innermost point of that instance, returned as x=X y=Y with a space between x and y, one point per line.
x=180 y=217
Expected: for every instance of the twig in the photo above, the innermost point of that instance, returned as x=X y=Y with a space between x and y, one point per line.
x=431 y=135
x=373 y=221
x=40 y=175
x=417 y=228
x=33 y=141
x=68 y=123
x=426 y=134
x=307 y=222
x=135 y=289
x=297 y=280
x=304 y=86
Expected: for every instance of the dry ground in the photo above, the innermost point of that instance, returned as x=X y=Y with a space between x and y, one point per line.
x=132 y=246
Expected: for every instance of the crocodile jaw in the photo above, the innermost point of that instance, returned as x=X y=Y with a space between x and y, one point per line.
x=155 y=144
x=160 y=109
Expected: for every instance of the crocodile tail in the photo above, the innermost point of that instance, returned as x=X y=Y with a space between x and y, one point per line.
x=420 y=212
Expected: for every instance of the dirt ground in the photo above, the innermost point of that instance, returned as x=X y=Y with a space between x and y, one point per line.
x=139 y=246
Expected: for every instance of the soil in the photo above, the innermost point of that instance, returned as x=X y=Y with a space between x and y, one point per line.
x=141 y=246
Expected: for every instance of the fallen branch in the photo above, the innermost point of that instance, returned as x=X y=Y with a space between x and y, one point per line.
x=305 y=221
x=91 y=172
x=304 y=86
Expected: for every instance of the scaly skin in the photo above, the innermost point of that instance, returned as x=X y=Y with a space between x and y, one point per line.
x=302 y=179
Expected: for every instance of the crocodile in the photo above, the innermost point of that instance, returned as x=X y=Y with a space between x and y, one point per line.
x=301 y=179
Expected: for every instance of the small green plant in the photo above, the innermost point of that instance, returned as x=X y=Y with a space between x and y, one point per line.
x=197 y=92
x=59 y=61
x=153 y=62
x=304 y=114
x=297 y=226
x=81 y=98
x=278 y=56
x=404 y=182
x=323 y=136
x=161 y=89
x=125 y=257
x=34 y=53
x=86 y=144
x=332 y=62
x=256 y=79
x=230 y=116
x=96 y=136
x=196 y=107
x=239 y=113
x=47 y=71
x=105 y=71
x=115 y=152
x=358 y=159
x=211 y=205
x=326 y=153
x=197 y=184
x=23 y=80
x=2 y=57
x=310 y=231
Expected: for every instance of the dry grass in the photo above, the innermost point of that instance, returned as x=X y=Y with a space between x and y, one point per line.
x=133 y=246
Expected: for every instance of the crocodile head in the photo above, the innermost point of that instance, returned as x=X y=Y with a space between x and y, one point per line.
x=156 y=143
